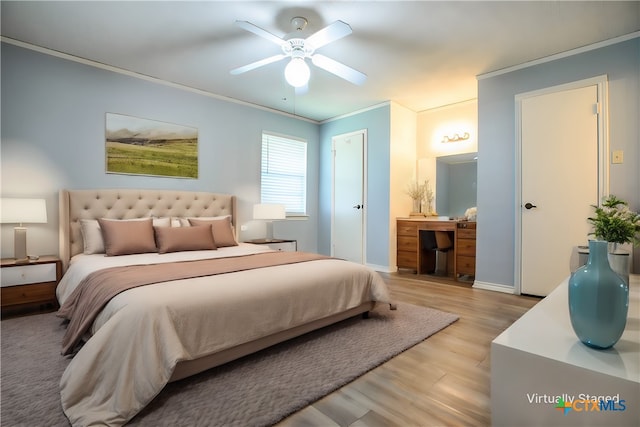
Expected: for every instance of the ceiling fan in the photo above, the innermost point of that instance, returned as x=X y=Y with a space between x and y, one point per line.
x=299 y=49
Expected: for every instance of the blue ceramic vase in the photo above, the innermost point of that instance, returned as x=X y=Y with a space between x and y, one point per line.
x=598 y=300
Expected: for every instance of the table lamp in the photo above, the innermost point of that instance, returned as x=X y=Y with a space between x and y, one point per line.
x=19 y=211
x=269 y=212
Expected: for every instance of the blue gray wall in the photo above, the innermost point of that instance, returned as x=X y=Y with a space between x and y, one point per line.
x=53 y=124
x=496 y=143
x=53 y=113
x=53 y=121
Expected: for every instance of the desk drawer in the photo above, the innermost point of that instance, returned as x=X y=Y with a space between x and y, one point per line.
x=25 y=274
x=26 y=294
x=466 y=233
x=466 y=265
x=407 y=228
x=407 y=259
x=406 y=243
x=466 y=247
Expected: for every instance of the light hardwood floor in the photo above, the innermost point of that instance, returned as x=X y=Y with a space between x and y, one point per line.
x=444 y=380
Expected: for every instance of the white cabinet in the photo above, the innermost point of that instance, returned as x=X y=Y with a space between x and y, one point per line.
x=289 y=246
x=278 y=244
x=539 y=360
x=26 y=274
x=31 y=285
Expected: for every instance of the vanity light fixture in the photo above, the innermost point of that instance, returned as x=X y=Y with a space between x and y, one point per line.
x=456 y=137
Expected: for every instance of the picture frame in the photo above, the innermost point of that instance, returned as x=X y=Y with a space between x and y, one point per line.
x=138 y=146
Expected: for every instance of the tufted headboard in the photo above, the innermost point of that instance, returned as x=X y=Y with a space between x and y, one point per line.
x=128 y=204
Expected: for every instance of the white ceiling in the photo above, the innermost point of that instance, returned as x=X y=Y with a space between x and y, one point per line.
x=420 y=54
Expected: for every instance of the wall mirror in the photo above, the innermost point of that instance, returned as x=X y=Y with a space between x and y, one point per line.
x=456 y=177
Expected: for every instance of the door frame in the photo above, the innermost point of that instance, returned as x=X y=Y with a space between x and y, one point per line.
x=365 y=187
x=601 y=83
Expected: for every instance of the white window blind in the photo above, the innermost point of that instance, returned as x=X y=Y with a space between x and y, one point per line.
x=283 y=179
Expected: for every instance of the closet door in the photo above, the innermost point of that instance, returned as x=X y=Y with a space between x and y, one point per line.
x=559 y=177
x=348 y=197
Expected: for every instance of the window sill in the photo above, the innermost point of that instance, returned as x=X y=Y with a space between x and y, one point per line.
x=297 y=217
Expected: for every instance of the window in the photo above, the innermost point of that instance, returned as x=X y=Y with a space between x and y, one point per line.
x=283 y=176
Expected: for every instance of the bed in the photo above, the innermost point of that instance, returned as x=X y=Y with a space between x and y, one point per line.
x=147 y=335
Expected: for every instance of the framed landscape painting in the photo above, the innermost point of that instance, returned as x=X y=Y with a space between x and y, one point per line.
x=148 y=147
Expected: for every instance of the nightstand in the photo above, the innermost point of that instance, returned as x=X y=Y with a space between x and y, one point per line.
x=29 y=286
x=277 y=244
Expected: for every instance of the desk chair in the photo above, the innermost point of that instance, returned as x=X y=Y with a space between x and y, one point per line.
x=443 y=244
x=438 y=243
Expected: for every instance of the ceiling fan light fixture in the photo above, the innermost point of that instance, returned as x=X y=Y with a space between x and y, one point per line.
x=297 y=72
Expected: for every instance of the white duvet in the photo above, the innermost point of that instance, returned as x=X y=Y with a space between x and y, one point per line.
x=142 y=334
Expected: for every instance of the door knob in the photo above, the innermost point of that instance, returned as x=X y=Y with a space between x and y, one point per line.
x=529 y=205
x=358 y=206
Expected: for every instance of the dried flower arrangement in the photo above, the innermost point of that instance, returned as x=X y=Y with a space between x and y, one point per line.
x=419 y=193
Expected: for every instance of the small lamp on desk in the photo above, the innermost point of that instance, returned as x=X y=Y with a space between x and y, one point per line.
x=19 y=211
x=269 y=212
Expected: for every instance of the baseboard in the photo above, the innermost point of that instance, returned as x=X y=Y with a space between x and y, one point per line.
x=493 y=287
x=381 y=268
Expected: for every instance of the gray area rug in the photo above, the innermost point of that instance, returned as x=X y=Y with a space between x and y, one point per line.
x=257 y=390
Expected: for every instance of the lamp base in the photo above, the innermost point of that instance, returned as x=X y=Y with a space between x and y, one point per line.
x=20 y=245
x=269 y=231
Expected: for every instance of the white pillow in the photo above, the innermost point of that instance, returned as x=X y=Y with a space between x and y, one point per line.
x=92 y=233
x=161 y=222
x=91 y=236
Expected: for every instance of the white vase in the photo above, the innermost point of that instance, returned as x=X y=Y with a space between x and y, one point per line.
x=417 y=204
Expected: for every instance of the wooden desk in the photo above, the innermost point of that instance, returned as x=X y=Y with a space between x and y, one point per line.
x=460 y=258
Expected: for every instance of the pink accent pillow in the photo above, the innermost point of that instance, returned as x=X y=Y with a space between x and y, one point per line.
x=174 y=239
x=124 y=237
x=221 y=228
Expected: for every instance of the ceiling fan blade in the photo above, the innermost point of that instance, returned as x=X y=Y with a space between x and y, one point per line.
x=257 y=64
x=246 y=25
x=328 y=34
x=339 y=69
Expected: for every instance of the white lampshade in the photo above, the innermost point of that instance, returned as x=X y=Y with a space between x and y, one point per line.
x=19 y=211
x=269 y=211
x=297 y=72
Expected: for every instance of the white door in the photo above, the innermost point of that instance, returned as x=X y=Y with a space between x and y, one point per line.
x=559 y=176
x=348 y=204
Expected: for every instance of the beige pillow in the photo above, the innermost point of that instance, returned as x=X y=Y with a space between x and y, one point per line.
x=92 y=233
x=184 y=222
x=221 y=228
x=173 y=239
x=124 y=237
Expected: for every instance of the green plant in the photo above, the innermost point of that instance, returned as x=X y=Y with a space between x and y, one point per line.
x=615 y=222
